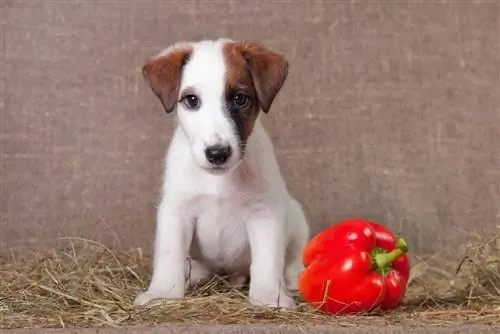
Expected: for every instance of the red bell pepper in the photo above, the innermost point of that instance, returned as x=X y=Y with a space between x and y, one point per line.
x=355 y=266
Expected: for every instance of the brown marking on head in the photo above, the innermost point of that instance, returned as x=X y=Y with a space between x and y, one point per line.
x=163 y=74
x=255 y=72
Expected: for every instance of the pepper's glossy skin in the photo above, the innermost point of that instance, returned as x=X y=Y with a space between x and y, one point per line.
x=340 y=276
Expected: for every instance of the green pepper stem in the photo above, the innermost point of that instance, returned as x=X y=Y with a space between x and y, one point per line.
x=401 y=244
x=382 y=260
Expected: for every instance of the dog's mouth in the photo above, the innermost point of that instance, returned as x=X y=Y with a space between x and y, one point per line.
x=223 y=169
x=218 y=169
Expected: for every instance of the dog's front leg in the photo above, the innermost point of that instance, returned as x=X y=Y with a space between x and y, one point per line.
x=267 y=245
x=174 y=232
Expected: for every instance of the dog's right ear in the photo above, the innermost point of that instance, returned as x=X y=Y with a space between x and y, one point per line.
x=163 y=74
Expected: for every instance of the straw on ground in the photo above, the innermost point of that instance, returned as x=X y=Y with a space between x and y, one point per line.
x=88 y=285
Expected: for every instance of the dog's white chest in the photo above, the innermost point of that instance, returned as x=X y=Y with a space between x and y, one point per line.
x=220 y=237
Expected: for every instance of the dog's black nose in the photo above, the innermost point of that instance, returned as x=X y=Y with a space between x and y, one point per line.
x=218 y=154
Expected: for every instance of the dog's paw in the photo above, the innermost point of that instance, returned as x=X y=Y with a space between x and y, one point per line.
x=273 y=301
x=154 y=298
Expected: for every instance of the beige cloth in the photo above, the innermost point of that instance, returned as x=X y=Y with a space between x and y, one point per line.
x=391 y=111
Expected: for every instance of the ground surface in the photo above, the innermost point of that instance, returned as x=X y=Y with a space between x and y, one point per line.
x=414 y=328
x=89 y=286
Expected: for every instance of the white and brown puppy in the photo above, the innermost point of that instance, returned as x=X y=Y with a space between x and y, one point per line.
x=225 y=206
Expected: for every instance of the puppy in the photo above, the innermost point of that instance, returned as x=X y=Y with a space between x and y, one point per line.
x=225 y=206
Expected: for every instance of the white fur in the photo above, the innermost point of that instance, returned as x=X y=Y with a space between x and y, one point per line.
x=242 y=221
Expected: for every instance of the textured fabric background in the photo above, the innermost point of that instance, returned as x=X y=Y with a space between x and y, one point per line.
x=391 y=111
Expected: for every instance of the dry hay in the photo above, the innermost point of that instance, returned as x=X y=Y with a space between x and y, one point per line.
x=88 y=285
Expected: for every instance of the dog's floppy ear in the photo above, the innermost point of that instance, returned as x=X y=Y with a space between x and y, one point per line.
x=268 y=69
x=163 y=74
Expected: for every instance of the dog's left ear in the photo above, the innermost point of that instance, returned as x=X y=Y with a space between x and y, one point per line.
x=268 y=69
x=163 y=74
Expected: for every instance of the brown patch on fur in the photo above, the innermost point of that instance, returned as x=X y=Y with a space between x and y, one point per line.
x=164 y=75
x=259 y=73
x=239 y=79
x=269 y=70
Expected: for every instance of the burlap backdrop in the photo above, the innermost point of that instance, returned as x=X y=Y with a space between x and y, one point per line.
x=390 y=111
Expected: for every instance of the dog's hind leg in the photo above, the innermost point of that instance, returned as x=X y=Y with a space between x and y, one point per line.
x=237 y=281
x=297 y=223
x=196 y=273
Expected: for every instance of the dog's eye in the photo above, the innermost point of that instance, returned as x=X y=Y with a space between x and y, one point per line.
x=191 y=101
x=241 y=100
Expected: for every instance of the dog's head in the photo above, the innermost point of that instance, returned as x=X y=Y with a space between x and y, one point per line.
x=217 y=89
